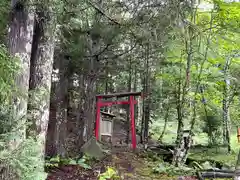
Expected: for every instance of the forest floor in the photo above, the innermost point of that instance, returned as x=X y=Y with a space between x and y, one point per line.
x=138 y=166
x=130 y=166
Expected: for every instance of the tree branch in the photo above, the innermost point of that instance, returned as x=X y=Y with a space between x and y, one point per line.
x=102 y=12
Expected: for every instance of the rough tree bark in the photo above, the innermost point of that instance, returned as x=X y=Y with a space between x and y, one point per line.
x=20 y=39
x=89 y=105
x=41 y=71
x=20 y=46
x=91 y=77
x=62 y=106
x=80 y=112
x=146 y=101
x=51 y=150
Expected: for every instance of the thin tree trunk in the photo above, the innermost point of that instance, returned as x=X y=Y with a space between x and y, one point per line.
x=107 y=84
x=226 y=114
x=183 y=143
x=165 y=124
x=127 y=110
x=135 y=90
x=143 y=112
x=148 y=99
x=183 y=147
x=179 y=113
x=237 y=168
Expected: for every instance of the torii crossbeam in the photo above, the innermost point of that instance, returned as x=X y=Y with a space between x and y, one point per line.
x=131 y=101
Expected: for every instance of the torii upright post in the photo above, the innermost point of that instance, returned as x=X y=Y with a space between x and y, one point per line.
x=131 y=103
x=133 y=128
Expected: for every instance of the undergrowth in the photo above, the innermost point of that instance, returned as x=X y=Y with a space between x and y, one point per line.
x=57 y=161
x=166 y=168
x=25 y=160
x=110 y=173
x=21 y=158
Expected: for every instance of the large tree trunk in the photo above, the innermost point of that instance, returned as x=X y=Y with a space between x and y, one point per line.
x=41 y=71
x=80 y=113
x=51 y=149
x=89 y=105
x=20 y=46
x=91 y=78
x=62 y=107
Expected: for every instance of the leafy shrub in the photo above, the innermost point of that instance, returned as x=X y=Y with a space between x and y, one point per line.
x=165 y=168
x=8 y=69
x=57 y=161
x=25 y=161
x=212 y=124
x=110 y=173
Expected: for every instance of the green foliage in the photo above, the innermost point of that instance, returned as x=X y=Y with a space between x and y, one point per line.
x=6 y=121
x=4 y=12
x=228 y=14
x=110 y=173
x=165 y=168
x=81 y=162
x=25 y=160
x=57 y=161
x=212 y=128
x=215 y=153
x=52 y=162
x=204 y=41
x=8 y=70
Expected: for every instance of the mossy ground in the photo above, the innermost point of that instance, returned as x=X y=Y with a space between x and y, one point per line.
x=134 y=166
x=215 y=153
x=129 y=165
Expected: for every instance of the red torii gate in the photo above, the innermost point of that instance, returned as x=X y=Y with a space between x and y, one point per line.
x=131 y=102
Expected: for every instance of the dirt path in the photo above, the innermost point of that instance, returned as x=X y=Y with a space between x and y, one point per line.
x=130 y=166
